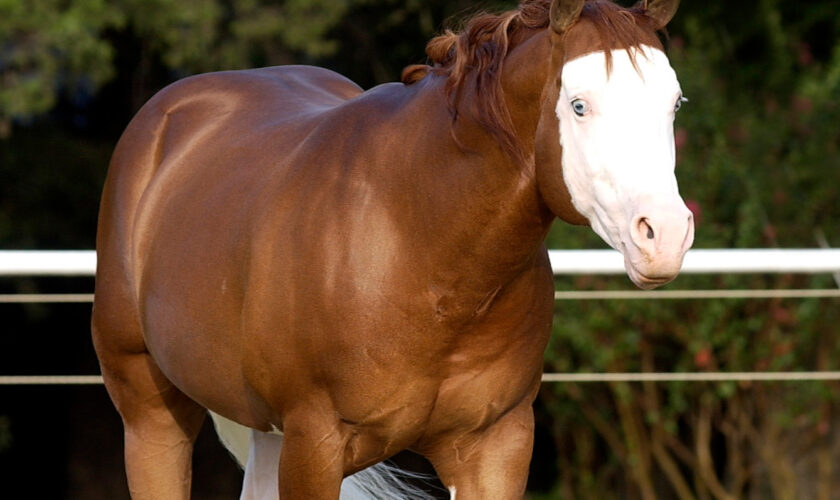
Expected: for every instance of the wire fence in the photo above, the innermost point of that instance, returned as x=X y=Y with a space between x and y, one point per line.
x=564 y=262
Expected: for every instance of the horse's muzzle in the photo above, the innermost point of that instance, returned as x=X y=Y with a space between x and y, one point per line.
x=659 y=237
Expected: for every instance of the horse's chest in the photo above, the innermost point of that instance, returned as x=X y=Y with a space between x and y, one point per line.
x=460 y=310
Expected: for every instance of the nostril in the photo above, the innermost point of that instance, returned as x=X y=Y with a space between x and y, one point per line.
x=689 y=233
x=645 y=228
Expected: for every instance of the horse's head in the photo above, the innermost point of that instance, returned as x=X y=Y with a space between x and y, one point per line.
x=613 y=96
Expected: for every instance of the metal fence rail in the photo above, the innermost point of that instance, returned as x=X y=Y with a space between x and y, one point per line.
x=563 y=262
x=701 y=261
x=47 y=262
x=69 y=298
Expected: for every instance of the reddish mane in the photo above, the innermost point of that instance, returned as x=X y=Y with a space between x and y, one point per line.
x=474 y=56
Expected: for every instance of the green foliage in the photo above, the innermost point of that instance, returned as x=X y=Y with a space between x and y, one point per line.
x=182 y=31
x=49 y=44
x=759 y=162
x=57 y=47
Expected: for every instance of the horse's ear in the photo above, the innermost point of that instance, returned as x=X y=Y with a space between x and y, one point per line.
x=564 y=13
x=661 y=11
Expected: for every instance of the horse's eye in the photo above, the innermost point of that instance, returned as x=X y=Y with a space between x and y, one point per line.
x=678 y=105
x=580 y=107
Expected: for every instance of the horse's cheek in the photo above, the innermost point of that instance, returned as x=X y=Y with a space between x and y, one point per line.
x=548 y=157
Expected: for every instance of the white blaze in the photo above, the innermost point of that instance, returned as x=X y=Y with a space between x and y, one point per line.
x=620 y=153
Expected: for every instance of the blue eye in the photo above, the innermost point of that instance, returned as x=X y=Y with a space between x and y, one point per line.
x=678 y=105
x=580 y=107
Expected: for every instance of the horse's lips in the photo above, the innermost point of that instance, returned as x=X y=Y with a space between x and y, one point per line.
x=642 y=281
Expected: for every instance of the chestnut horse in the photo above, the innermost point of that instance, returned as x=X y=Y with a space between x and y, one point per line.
x=365 y=272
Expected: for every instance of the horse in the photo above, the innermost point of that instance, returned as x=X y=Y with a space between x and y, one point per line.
x=365 y=271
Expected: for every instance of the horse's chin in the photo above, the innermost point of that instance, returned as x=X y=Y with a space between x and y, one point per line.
x=644 y=281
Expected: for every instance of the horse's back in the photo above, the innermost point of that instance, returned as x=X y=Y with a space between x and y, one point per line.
x=284 y=92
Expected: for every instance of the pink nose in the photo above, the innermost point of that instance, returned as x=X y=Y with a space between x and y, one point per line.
x=661 y=234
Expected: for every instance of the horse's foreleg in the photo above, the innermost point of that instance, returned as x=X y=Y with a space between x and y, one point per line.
x=160 y=425
x=312 y=459
x=488 y=465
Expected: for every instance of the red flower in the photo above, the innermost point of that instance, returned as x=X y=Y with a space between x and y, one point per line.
x=703 y=358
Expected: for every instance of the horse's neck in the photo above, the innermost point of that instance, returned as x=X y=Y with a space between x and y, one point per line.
x=486 y=213
x=524 y=80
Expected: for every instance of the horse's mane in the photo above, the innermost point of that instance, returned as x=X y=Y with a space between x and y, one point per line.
x=475 y=56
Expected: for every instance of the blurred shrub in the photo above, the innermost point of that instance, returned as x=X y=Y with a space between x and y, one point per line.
x=758 y=162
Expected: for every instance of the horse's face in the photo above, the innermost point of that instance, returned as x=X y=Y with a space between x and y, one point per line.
x=617 y=139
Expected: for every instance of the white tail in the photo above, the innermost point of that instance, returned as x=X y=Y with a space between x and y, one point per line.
x=259 y=453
